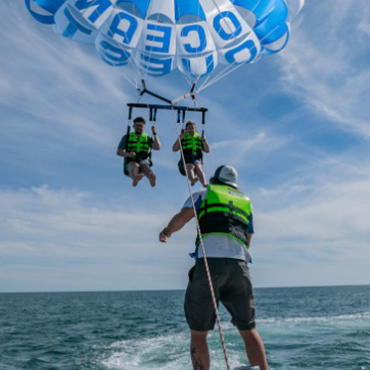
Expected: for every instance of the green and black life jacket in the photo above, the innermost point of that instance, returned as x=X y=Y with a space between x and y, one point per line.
x=227 y=211
x=192 y=146
x=140 y=145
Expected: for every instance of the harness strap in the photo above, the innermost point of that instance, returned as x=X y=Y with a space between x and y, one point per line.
x=223 y=205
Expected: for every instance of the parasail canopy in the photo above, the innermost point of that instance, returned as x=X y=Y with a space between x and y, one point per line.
x=156 y=37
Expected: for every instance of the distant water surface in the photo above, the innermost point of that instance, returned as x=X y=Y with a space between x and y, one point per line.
x=303 y=328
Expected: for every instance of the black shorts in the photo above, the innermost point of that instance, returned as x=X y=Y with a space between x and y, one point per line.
x=233 y=287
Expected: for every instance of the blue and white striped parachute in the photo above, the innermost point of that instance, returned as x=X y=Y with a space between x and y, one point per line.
x=158 y=36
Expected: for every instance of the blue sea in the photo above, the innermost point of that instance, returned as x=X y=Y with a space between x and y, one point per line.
x=303 y=328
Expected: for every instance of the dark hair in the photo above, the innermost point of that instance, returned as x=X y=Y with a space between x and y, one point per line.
x=139 y=119
x=190 y=123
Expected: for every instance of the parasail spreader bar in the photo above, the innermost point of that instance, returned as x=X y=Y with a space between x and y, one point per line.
x=153 y=108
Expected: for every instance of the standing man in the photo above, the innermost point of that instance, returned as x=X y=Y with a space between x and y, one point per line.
x=226 y=222
x=136 y=148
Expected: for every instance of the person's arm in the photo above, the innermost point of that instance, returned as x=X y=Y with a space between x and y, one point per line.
x=121 y=151
x=250 y=230
x=206 y=148
x=156 y=143
x=176 y=147
x=124 y=154
x=177 y=223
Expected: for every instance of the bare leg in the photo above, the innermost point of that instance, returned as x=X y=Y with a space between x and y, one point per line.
x=200 y=174
x=145 y=168
x=191 y=175
x=199 y=350
x=255 y=349
x=133 y=170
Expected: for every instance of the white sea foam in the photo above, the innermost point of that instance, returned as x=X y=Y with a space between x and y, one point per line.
x=318 y=319
x=164 y=353
x=168 y=352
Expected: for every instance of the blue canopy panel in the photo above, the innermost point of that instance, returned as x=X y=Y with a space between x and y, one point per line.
x=80 y=20
x=156 y=50
x=119 y=37
x=234 y=38
x=271 y=22
x=188 y=9
x=138 y=8
x=196 y=51
x=261 y=9
x=111 y=51
x=44 y=10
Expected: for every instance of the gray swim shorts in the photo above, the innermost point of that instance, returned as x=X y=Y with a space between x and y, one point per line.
x=233 y=287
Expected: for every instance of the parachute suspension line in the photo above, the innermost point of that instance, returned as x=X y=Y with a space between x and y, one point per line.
x=134 y=84
x=218 y=32
x=145 y=73
x=176 y=123
x=226 y=70
x=203 y=46
x=187 y=74
x=234 y=66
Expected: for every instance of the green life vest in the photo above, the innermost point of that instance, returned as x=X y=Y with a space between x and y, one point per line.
x=139 y=144
x=192 y=146
x=226 y=211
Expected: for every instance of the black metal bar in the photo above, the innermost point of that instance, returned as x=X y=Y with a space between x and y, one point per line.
x=155 y=115
x=145 y=91
x=183 y=116
x=130 y=114
x=151 y=114
x=168 y=107
x=179 y=116
x=144 y=84
x=204 y=117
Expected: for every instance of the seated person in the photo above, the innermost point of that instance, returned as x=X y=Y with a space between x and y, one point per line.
x=193 y=147
x=136 y=150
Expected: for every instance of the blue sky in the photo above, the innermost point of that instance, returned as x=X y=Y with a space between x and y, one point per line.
x=295 y=125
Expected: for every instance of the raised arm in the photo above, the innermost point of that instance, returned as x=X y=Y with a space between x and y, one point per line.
x=156 y=144
x=205 y=148
x=176 y=146
x=177 y=223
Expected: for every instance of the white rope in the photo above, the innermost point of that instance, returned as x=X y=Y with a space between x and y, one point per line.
x=203 y=249
x=146 y=70
x=226 y=71
x=222 y=74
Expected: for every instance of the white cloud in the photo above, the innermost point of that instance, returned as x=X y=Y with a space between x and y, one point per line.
x=241 y=152
x=56 y=82
x=49 y=234
x=311 y=218
x=321 y=65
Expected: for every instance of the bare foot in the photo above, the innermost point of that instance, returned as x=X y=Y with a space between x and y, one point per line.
x=193 y=182
x=152 y=179
x=137 y=178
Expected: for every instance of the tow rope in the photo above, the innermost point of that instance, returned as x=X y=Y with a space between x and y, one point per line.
x=203 y=249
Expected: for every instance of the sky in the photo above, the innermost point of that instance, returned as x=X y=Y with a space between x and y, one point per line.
x=295 y=125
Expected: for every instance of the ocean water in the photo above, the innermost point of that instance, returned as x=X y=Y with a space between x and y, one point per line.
x=303 y=328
